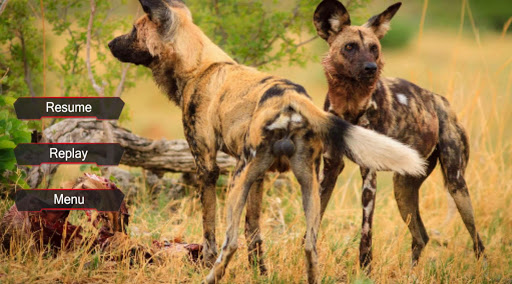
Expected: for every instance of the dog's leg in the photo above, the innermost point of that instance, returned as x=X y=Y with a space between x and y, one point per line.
x=453 y=157
x=333 y=166
x=368 y=201
x=253 y=171
x=406 y=194
x=252 y=226
x=208 y=179
x=205 y=155
x=208 y=201
x=304 y=165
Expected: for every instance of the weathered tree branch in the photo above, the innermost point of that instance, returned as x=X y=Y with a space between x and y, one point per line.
x=157 y=156
x=306 y=41
x=120 y=86
x=5 y=74
x=285 y=26
x=3 y=4
x=26 y=67
x=261 y=63
x=97 y=88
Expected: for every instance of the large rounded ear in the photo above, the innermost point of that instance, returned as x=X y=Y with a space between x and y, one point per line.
x=330 y=18
x=380 y=23
x=158 y=11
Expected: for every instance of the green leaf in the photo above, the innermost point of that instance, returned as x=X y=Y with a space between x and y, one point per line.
x=18 y=181
x=7 y=159
x=84 y=168
x=6 y=144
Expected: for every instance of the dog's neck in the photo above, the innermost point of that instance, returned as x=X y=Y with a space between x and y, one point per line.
x=171 y=85
x=348 y=96
x=183 y=64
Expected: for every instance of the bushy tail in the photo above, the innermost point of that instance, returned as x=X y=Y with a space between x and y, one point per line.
x=365 y=147
x=372 y=150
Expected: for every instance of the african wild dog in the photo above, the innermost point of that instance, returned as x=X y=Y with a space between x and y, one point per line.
x=266 y=122
x=394 y=107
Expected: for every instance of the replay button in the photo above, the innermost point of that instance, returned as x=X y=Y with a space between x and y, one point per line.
x=101 y=154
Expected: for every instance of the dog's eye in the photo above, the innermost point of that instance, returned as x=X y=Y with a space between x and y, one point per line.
x=374 y=48
x=350 y=47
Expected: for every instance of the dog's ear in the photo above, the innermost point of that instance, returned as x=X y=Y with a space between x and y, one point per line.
x=330 y=17
x=380 y=23
x=158 y=11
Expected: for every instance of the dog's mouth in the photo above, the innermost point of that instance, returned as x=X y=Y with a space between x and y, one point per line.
x=367 y=77
x=341 y=74
x=122 y=49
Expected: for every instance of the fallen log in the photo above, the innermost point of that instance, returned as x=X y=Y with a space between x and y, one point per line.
x=156 y=156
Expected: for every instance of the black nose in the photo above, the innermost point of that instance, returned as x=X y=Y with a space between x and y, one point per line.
x=370 y=67
x=110 y=44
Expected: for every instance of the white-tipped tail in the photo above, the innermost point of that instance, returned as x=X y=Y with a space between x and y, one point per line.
x=379 y=152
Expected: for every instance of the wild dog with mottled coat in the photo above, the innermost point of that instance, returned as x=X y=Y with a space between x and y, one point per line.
x=266 y=122
x=394 y=107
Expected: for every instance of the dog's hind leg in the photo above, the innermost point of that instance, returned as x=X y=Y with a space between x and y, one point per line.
x=304 y=165
x=454 y=153
x=407 y=198
x=333 y=166
x=252 y=226
x=245 y=176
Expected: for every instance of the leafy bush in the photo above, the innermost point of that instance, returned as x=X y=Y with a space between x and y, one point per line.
x=20 y=75
x=261 y=33
x=12 y=132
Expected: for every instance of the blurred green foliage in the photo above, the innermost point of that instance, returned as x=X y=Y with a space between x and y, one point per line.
x=488 y=14
x=261 y=33
x=400 y=35
x=20 y=59
x=12 y=132
x=20 y=75
x=69 y=19
x=491 y=13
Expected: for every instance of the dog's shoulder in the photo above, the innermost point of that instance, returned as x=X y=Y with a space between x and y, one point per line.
x=401 y=90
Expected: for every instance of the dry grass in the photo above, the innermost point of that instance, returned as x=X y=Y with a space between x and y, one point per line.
x=477 y=79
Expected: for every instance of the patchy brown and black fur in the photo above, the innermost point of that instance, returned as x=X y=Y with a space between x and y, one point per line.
x=266 y=122
x=394 y=107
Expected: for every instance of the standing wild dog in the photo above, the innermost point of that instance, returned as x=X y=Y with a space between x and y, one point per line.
x=397 y=108
x=266 y=122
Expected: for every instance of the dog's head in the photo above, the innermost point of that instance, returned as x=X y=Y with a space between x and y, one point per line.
x=355 y=51
x=152 y=37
